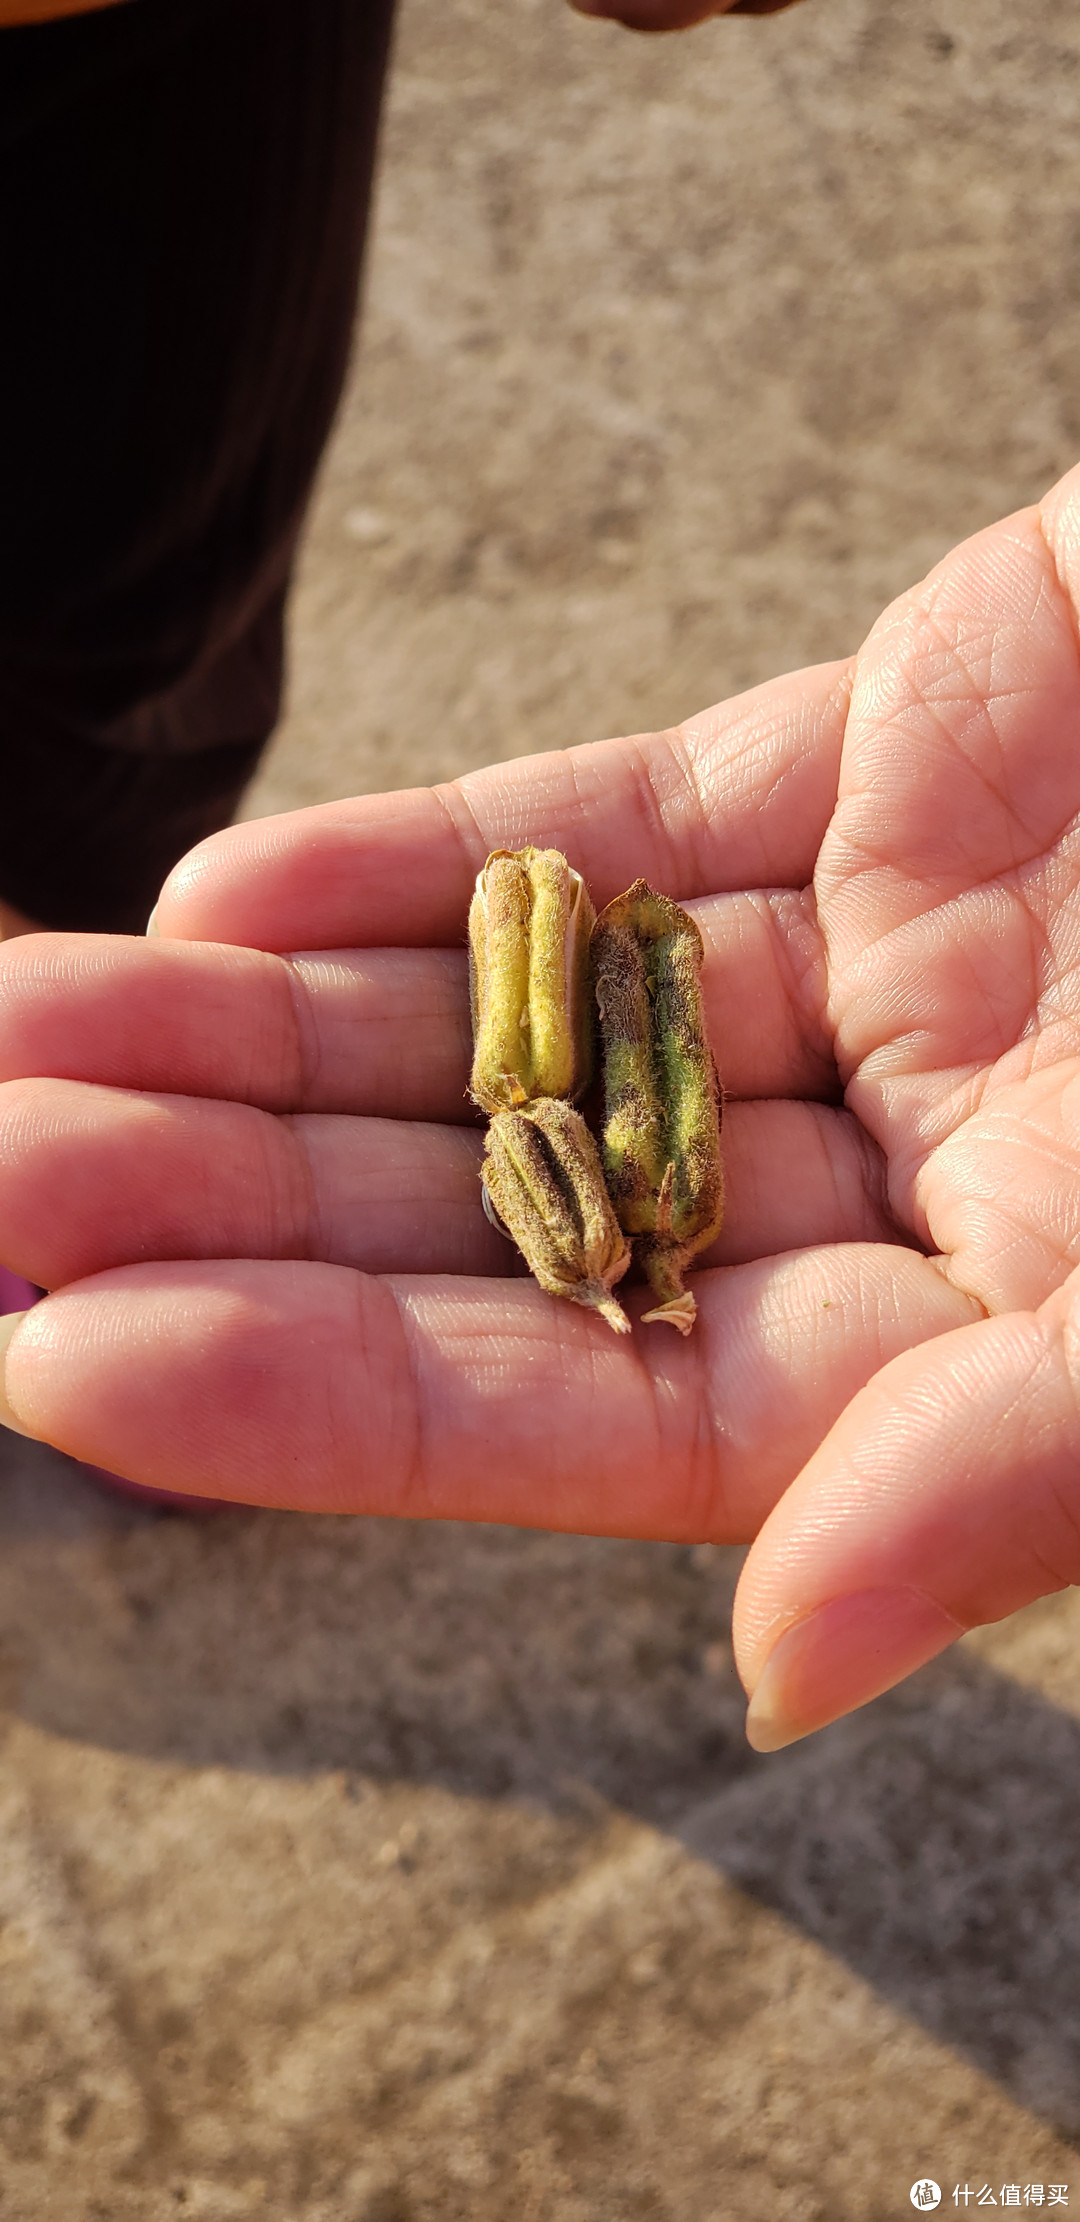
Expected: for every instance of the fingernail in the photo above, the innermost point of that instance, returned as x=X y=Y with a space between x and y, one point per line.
x=841 y=1656
x=8 y=1325
x=152 y=928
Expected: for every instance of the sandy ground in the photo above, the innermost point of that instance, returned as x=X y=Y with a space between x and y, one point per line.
x=350 y=1873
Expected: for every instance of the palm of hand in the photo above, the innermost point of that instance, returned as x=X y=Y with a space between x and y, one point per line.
x=949 y=892
x=844 y=1388
x=948 y=896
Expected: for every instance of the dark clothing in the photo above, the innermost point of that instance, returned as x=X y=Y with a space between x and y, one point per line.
x=183 y=198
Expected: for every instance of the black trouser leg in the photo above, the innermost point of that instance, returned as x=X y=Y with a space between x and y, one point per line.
x=185 y=186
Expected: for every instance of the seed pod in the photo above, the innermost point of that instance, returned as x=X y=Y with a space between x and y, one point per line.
x=529 y=932
x=543 y=1180
x=661 y=1141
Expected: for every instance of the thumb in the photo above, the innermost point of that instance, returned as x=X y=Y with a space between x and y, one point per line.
x=947 y=1494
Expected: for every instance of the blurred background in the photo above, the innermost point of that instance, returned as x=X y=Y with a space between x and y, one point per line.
x=680 y=358
x=354 y=1873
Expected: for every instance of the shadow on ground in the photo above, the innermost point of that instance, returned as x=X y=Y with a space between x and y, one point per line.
x=929 y=1843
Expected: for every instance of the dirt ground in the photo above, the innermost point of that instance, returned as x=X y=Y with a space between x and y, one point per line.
x=353 y=1873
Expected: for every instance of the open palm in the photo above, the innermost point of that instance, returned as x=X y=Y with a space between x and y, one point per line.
x=884 y=861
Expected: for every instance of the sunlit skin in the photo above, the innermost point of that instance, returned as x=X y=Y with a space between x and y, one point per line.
x=261 y=1175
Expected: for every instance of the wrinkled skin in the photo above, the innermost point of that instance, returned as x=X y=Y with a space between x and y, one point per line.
x=261 y=1177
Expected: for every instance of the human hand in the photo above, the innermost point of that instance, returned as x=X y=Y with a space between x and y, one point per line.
x=882 y=1383
x=673 y=15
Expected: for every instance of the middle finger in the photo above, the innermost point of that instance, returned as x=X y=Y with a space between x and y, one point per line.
x=380 y=1032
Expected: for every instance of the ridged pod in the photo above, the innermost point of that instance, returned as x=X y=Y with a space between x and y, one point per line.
x=542 y=1178
x=662 y=1105
x=530 y=926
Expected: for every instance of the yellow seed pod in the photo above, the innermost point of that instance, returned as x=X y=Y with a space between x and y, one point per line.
x=530 y=926
x=543 y=1181
x=661 y=1139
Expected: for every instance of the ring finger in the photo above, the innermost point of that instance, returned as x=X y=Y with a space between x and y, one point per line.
x=96 y=1177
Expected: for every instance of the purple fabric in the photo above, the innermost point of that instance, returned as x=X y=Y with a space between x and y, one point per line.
x=16 y=1295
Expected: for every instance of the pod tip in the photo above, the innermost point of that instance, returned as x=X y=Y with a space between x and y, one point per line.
x=599 y=1299
x=679 y=1311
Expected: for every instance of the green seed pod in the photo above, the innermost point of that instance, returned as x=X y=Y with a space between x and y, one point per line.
x=661 y=1141
x=542 y=1179
x=529 y=933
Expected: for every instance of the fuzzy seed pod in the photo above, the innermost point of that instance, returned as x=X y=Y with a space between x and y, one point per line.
x=542 y=1180
x=661 y=1139
x=529 y=934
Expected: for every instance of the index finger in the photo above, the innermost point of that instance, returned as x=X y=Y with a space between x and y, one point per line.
x=738 y=797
